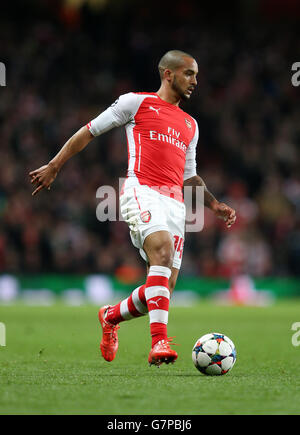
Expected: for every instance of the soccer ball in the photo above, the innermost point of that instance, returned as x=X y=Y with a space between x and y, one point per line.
x=214 y=354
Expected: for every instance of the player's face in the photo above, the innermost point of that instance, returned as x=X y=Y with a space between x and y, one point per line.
x=185 y=78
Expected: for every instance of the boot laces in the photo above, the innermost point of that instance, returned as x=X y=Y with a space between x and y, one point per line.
x=111 y=330
x=168 y=341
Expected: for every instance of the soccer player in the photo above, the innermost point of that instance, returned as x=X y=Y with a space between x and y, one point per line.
x=161 y=141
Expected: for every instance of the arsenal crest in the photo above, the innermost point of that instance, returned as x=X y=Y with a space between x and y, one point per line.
x=145 y=216
x=188 y=123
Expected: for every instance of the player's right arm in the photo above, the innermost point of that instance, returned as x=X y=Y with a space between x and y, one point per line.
x=119 y=113
x=43 y=177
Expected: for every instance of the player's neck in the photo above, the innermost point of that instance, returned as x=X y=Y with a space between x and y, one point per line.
x=168 y=96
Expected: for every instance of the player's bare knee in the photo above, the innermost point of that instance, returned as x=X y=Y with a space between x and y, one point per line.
x=162 y=258
x=165 y=254
x=160 y=250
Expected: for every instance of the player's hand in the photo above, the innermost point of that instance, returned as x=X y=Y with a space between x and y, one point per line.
x=43 y=177
x=225 y=212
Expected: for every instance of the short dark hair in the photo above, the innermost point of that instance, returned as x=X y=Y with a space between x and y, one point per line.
x=172 y=60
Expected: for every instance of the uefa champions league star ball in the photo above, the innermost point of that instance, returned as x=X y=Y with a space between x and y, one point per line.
x=214 y=354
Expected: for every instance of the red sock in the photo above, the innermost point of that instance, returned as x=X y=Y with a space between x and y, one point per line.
x=157 y=297
x=133 y=306
x=158 y=332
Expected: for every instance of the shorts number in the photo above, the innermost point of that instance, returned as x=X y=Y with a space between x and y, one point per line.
x=178 y=245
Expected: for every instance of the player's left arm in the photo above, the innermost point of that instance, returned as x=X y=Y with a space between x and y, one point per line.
x=220 y=209
x=191 y=178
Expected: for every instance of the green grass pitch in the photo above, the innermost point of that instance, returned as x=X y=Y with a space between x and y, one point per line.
x=51 y=363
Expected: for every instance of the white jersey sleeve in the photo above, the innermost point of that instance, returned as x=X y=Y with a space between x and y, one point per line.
x=190 y=158
x=119 y=113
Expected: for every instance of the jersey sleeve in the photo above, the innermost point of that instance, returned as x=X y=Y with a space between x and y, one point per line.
x=119 y=113
x=190 y=159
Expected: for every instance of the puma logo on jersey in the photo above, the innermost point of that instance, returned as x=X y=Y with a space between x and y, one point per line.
x=155 y=302
x=155 y=110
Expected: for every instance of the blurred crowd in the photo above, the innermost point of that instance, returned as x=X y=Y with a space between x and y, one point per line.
x=65 y=66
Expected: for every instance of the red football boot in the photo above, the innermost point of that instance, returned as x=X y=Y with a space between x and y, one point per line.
x=162 y=353
x=109 y=343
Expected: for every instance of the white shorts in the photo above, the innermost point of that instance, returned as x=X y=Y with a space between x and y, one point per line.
x=147 y=211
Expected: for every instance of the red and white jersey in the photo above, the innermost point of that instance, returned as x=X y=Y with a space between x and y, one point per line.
x=161 y=140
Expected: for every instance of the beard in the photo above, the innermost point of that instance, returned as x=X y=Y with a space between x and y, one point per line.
x=178 y=90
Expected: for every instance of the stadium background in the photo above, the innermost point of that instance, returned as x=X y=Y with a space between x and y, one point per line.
x=66 y=61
